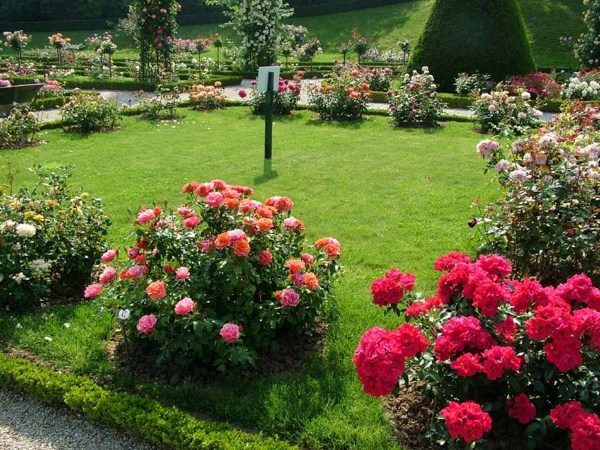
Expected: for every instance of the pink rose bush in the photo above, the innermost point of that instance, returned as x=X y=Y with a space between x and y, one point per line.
x=285 y=98
x=344 y=95
x=493 y=351
x=220 y=279
x=547 y=222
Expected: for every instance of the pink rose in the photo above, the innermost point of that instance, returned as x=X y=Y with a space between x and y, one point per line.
x=182 y=273
x=147 y=324
x=93 y=290
x=133 y=252
x=237 y=235
x=214 y=199
x=265 y=258
x=291 y=223
x=184 y=211
x=230 y=332
x=192 y=221
x=146 y=216
x=307 y=258
x=206 y=245
x=288 y=298
x=185 y=306
x=107 y=275
x=109 y=256
x=242 y=93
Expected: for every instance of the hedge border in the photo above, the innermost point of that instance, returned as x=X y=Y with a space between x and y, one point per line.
x=137 y=415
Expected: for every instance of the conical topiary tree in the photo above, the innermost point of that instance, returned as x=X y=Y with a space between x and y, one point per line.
x=473 y=35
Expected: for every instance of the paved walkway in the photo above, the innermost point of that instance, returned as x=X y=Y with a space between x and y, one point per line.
x=28 y=425
x=130 y=98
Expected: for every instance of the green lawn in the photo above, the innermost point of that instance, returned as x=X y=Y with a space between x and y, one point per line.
x=546 y=21
x=392 y=197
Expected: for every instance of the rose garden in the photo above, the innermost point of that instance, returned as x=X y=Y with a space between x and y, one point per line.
x=417 y=266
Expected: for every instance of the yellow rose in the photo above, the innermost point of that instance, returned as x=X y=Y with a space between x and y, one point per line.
x=15 y=203
x=38 y=218
x=29 y=214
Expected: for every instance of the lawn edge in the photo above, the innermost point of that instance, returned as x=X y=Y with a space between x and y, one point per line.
x=137 y=415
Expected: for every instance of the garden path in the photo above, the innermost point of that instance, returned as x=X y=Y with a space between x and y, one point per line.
x=28 y=425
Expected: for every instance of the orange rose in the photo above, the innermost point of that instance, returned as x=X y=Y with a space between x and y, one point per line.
x=241 y=247
x=295 y=265
x=156 y=290
x=231 y=202
x=222 y=240
x=311 y=281
x=264 y=224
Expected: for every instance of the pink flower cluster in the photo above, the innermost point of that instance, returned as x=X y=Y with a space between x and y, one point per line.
x=584 y=426
x=390 y=289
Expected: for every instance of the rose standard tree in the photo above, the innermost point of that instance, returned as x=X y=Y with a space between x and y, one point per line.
x=588 y=47
x=260 y=23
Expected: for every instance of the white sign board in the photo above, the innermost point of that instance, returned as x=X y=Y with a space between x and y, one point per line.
x=263 y=77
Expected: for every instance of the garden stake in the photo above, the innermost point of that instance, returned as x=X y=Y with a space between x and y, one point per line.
x=269 y=117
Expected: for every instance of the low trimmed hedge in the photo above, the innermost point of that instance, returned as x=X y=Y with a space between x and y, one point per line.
x=141 y=416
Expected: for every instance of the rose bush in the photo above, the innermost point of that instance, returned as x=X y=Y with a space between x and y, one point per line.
x=473 y=84
x=19 y=128
x=547 y=221
x=538 y=84
x=50 y=239
x=207 y=97
x=222 y=279
x=417 y=101
x=492 y=351
x=342 y=96
x=86 y=112
x=501 y=113
x=285 y=99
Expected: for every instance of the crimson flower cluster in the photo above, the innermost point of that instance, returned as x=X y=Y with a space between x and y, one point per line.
x=486 y=338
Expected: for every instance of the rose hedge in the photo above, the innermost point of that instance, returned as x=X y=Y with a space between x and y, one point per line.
x=221 y=280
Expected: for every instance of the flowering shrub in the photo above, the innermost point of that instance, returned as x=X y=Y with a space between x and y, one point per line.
x=342 y=96
x=548 y=222
x=60 y=43
x=16 y=40
x=285 y=99
x=161 y=106
x=502 y=113
x=379 y=79
x=538 y=84
x=207 y=97
x=222 y=279
x=492 y=351
x=19 y=128
x=50 y=238
x=583 y=86
x=473 y=84
x=89 y=112
x=417 y=101
x=51 y=88
x=307 y=51
x=588 y=45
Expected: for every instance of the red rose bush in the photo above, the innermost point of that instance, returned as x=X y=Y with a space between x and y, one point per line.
x=220 y=280
x=494 y=352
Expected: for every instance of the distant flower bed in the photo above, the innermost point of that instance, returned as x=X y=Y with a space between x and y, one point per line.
x=285 y=97
x=89 y=112
x=222 y=279
x=493 y=352
x=50 y=238
x=501 y=113
x=207 y=97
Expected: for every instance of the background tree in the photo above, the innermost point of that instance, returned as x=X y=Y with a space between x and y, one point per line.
x=473 y=35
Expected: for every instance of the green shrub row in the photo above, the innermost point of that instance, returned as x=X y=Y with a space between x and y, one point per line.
x=41 y=104
x=141 y=416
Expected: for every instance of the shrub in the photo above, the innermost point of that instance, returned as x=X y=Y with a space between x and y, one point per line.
x=342 y=96
x=379 y=79
x=588 y=47
x=548 y=222
x=538 y=84
x=85 y=113
x=161 y=106
x=473 y=35
x=502 y=113
x=50 y=238
x=207 y=97
x=19 y=128
x=583 y=86
x=309 y=50
x=221 y=280
x=492 y=352
x=51 y=88
x=284 y=100
x=417 y=102
x=473 y=84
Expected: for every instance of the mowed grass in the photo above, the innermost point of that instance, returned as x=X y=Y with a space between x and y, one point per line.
x=392 y=197
x=546 y=21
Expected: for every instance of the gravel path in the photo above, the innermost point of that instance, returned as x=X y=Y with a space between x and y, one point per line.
x=28 y=425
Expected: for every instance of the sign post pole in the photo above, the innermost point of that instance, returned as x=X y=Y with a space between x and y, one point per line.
x=269 y=117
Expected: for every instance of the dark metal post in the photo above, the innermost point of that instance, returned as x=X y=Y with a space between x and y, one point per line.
x=269 y=117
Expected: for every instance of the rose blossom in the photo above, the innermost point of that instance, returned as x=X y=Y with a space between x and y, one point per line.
x=147 y=324
x=214 y=199
x=93 y=290
x=185 y=306
x=182 y=273
x=487 y=147
x=109 y=256
x=265 y=258
x=107 y=275
x=156 y=290
x=288 y=298
x=25 y=230
x=146 y=216
x=230 y=332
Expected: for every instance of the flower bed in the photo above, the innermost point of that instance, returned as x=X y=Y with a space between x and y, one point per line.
x=492 y=351
x=222 y=279
x=86 y=112
x=502 y=113
x=285 y=98
x=19 y=128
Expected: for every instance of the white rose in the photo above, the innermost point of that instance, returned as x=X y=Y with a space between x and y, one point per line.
x=25 y=230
